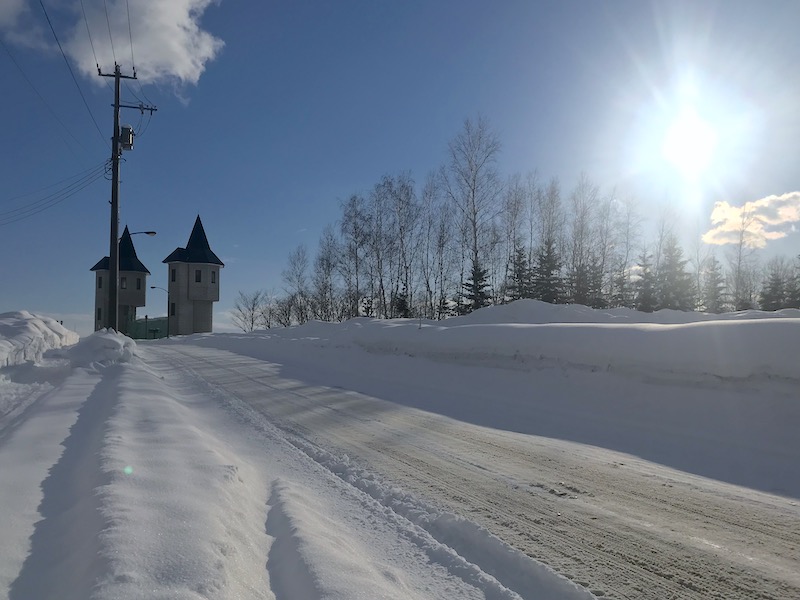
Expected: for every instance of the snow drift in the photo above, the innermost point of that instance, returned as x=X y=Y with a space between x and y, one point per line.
x=529 y=334
x=26 y=337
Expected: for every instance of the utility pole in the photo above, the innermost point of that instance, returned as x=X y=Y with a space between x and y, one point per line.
x=112 y=320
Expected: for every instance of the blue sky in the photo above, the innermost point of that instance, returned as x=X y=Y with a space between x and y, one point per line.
x=271 y=113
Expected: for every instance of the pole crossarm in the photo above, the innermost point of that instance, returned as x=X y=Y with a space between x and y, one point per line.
x=141 y=107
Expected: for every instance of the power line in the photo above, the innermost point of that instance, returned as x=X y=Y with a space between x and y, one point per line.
x=108 y=22
x=50 y=201
x=138 y=126
x=86 y=104
x=91 y=43
x=98 y=170
x=102 y=165
x=130 y=35
x=131 y=92
x=139 y=134
x=36 y=91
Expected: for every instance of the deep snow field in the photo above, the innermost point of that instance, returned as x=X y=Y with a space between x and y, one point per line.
x=524 y=451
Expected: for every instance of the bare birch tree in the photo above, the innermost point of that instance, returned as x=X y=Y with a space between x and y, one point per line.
x=295 y=276
x=472 y=183
x=246 y=313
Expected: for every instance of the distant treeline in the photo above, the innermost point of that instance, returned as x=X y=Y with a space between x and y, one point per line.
x=468 y=238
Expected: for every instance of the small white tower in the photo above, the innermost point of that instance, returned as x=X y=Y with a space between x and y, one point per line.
x=131 y=290
x=193 y=283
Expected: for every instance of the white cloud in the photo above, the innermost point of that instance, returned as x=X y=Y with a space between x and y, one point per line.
x=10 y=12
x=169 y=44
x=760 y=221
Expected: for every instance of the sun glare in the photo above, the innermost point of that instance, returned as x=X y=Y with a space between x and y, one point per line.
x=689 y=144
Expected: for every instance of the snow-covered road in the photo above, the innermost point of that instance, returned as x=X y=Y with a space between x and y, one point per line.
x=137 y=480
x=620 y=526
x=405 y=460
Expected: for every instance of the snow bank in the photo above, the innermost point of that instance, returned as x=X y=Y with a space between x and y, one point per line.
x=716 y=348
x=535 y=311
x=26 y=337
x=102 y=348
x=528 y=334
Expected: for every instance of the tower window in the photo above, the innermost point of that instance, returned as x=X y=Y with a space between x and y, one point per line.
x=213 y=277
x=99 y=282
x=138 y=283
x=123 y=283
x=99 y=314
x=172 y=309
x=198 y=275
x=172 y=275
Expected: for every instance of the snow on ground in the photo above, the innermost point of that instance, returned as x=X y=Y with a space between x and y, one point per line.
x=524 y=451
x=25 y=337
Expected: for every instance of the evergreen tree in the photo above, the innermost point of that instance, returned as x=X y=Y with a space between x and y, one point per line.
x=475 y=288
x=623 y=292
x=579 y=284
x=675 y=288
x=596 y=298
x=547 y=283
x=520 y=281
x=793 y=291
x=712 y=296
x=773 y=292
x=645 y=298
x=400 y=307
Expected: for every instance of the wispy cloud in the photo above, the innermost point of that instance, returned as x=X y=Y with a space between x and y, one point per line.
x=169 y=44
x=756 y=222
x=10 y=12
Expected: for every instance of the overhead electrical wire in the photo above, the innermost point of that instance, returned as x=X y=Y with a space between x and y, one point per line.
x=138 y=129
x=89 y=33
x=91 y=43
x=111 y=39
x=130 y=35
x=133 y=63
x=51 y=200
x=86 y=104
x=96 y=167
x=139 y=134
x=36 y=91
x=138 y=126
x=132 y=93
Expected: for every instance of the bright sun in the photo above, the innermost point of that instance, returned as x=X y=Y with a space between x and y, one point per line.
x=689 y=144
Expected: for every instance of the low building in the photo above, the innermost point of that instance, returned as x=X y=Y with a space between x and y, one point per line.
x=131 y=290
x=193 y=275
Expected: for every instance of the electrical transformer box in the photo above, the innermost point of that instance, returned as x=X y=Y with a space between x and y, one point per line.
x=126 y=137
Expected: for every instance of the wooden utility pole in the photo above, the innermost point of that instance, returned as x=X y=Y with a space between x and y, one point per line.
x=112 y=319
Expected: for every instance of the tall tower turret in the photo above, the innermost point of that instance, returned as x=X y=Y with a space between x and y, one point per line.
x=193 y=282
x=132 y=286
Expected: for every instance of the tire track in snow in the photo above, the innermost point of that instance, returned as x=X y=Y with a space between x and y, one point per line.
x=289 y=575
x=594 y=538
x=450 y=541
x=64 y=560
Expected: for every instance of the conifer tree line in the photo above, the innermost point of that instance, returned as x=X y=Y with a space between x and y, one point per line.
x=467 y=238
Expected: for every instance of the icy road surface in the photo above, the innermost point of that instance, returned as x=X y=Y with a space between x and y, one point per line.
x=617 y=525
